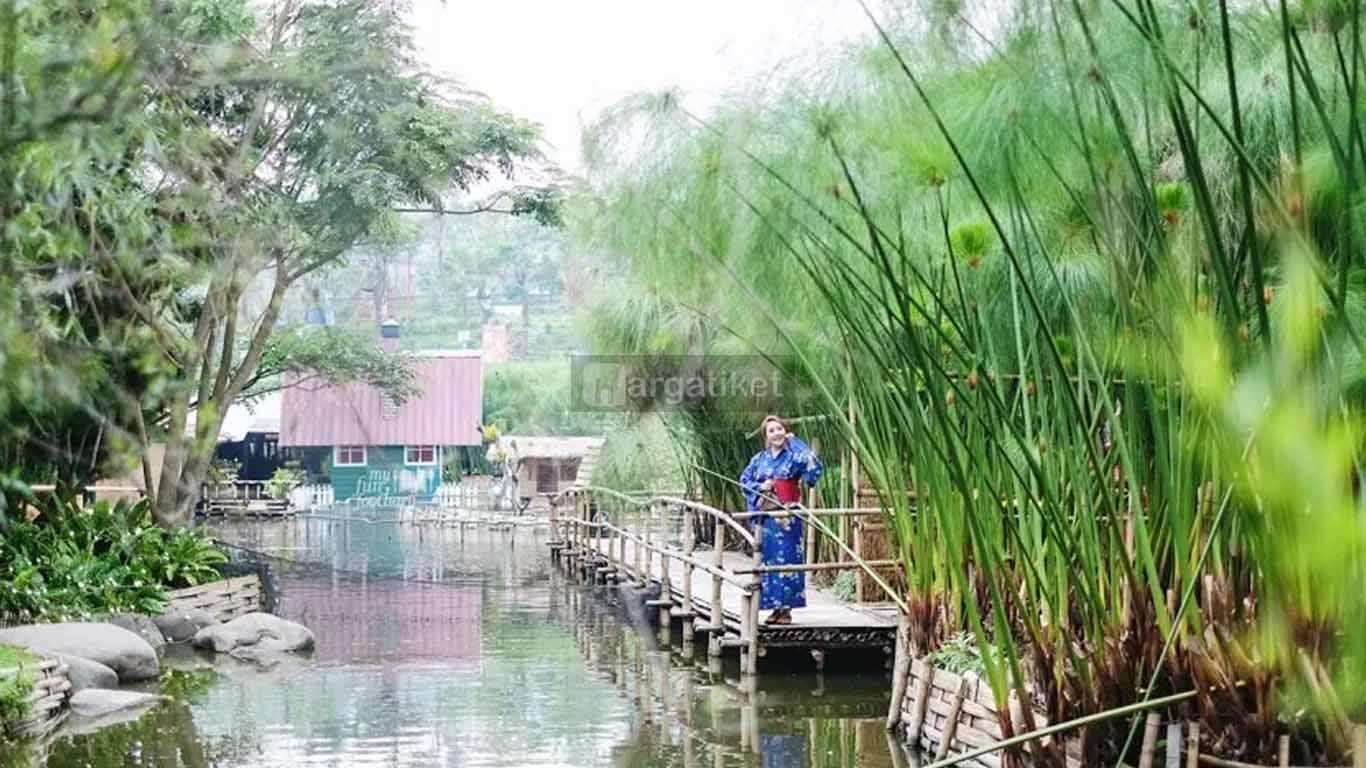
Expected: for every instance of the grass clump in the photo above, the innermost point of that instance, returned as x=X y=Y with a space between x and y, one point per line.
x=15 y=685
x=959 y=654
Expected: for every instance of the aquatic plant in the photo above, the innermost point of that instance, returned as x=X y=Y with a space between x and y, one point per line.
x=1089 y=295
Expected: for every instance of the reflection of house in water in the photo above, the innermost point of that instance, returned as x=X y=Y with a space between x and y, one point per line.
x=358 y=620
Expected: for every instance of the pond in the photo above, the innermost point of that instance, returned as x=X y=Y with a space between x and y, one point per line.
x=442 y=646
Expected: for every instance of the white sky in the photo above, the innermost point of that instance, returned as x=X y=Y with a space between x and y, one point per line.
x=560 y=62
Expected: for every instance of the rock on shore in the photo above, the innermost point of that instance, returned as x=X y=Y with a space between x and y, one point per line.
x=131 y=657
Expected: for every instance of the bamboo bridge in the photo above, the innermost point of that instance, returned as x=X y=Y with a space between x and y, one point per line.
x=601 y=536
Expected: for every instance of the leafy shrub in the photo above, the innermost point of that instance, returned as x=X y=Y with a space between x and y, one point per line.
x=14 y=687
x=107 y=559
x=284 y=480
x=845 y=586
x=959 y=654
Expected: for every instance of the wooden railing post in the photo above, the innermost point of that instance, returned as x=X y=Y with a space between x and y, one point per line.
x=585 y=537
x=665 y=587
x=620 y=560
x=718 y=618
x=642 y=575
x=749 y=608
x=689 y=540
x=554 y=517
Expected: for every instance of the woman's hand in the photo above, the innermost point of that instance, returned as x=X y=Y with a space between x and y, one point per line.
x=766 y=485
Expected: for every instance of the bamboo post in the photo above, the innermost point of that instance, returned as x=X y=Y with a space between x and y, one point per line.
x=554 y=519
x=718 y=618
x=1173 y=745
x=857 y=524
x=1359 y=746
x=1145 y=758
x=651 y=536
x=1193 y=745
x=921 y=703
x=1283 y=751
x=642 y=577
x=900 y=671
x=746 y=632
x=609 y=544
x=809 y=531
x=665 y=585
x=623 y=522
x=951 y=725
x=689 y=544
x=750 y=605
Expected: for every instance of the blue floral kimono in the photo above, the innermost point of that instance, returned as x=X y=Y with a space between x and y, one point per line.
x=782 y=537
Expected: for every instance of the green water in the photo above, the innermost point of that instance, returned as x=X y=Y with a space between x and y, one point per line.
x=438 y=647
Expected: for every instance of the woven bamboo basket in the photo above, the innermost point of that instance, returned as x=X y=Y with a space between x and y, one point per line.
x=47 y=702
x=224 y=600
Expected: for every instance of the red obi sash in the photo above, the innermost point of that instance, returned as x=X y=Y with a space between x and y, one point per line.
x=787 y=491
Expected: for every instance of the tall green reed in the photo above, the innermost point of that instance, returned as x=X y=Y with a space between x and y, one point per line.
x=1017 y=257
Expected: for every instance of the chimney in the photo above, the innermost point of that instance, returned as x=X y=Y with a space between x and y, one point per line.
x=388 y=334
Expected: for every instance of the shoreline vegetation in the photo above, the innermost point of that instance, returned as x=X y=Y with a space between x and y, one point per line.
x=1083 y=301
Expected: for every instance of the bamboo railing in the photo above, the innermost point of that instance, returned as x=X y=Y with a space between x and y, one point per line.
x=594 y=525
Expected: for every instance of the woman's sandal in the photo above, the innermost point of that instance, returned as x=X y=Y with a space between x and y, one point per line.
x=777 y=618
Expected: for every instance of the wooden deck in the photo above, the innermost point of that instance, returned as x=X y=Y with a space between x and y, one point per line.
x=825 y=622
x=609 y=537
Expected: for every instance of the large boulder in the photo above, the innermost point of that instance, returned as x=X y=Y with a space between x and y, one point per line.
x=261 y=630
x=181 y=626
x=84 y=673
x=94 y=703
x=143 y=626
x=131 y=657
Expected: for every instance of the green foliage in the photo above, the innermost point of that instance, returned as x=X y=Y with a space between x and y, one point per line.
x=960 y=653
x=224 y=471
x=15 y=690
x=163 y=193
x=13 y=656
x=16 y=685
x=845 y=586
x=1091 y=386
x=336 y=356
x=640 y=456
x=971 y=242
x=284 y=480
x=533 y=398
x=75 y=562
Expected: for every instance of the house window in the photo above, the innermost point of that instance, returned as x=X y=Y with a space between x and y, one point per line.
x=349 y=456
x=419 y=455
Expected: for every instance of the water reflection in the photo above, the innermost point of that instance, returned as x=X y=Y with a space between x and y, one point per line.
x=443 y=647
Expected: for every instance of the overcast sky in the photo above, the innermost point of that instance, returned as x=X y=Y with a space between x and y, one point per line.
x=560 y=62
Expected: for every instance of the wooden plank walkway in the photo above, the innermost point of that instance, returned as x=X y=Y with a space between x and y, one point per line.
x=601 y=535
x=826 y=621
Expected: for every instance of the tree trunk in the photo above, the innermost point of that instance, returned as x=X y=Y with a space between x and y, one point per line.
x=186 y=464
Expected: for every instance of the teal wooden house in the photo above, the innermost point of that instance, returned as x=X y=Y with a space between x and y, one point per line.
x=367 y=445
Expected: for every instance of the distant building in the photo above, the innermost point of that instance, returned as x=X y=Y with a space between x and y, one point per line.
x=250 y=436
x=548 y=465
x=493 y=341
x=366 y=444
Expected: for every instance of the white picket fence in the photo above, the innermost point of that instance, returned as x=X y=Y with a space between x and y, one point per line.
x=312 y=496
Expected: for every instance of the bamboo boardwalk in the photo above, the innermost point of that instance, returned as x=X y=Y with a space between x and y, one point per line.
x=651 y=544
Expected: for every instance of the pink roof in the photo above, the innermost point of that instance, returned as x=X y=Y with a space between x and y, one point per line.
x=446 y=411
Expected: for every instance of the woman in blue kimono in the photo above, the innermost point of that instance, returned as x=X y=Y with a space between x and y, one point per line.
x=770 y=482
